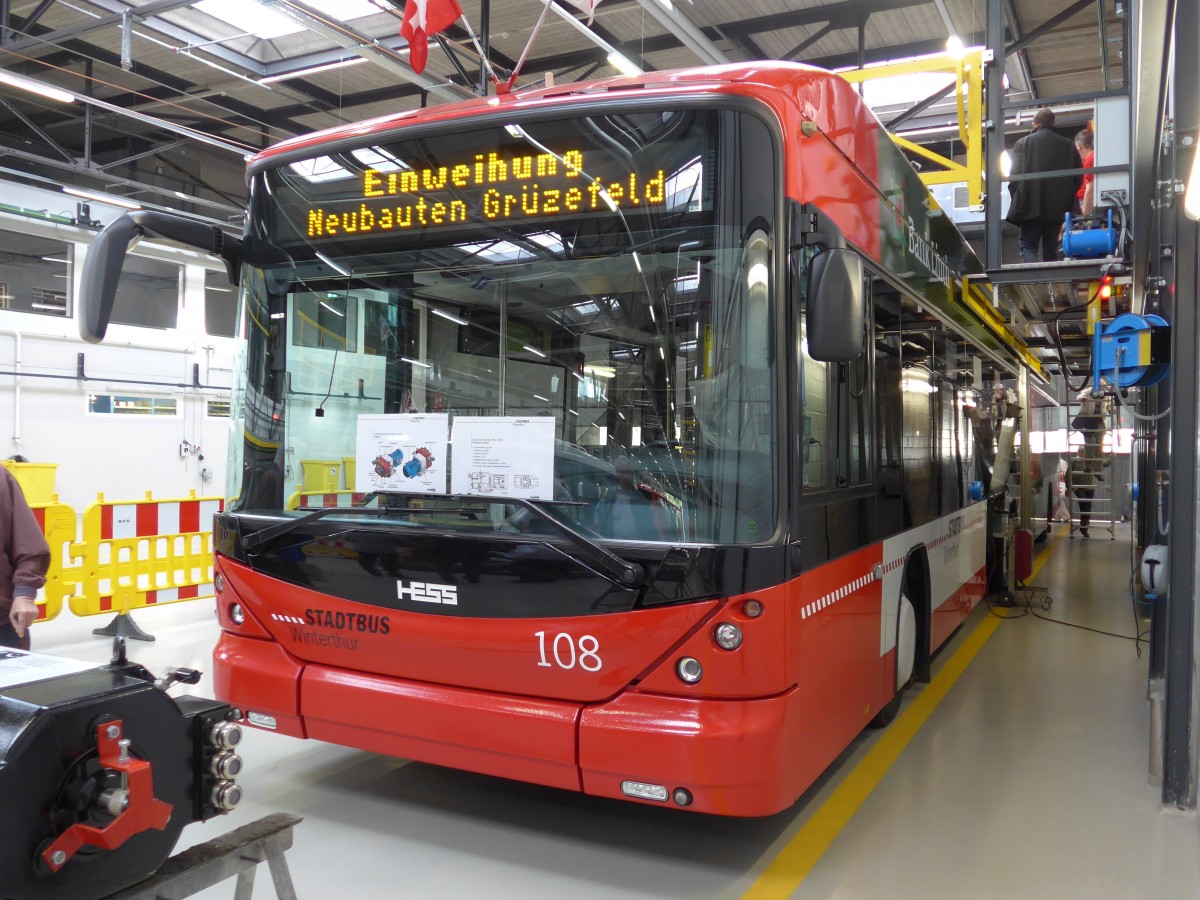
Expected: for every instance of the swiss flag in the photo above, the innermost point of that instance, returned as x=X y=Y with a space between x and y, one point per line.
x=423 y=18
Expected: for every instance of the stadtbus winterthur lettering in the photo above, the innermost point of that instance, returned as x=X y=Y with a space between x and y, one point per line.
x=516 y=187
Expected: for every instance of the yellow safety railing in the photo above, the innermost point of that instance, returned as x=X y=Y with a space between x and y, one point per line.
x=302 y=499
x=58 y=525
x=144 y=553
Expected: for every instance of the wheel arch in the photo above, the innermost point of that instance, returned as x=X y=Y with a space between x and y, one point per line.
x=915 y=584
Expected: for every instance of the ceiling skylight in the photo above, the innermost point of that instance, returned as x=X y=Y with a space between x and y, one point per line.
x=318 y=169
x=261 y=21
x=379 y=160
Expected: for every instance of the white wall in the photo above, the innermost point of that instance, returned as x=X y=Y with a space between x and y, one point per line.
x=47 y=419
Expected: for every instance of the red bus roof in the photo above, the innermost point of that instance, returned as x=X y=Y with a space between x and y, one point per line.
x=779 y=75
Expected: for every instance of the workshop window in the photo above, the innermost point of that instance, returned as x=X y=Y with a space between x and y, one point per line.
x=35 y=274
x=126 y=405
x=220 y=305
x=147 y=294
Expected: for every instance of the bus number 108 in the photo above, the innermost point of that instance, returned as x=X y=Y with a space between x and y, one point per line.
x=567 y=653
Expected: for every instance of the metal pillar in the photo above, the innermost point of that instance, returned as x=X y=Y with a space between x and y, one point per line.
x=995 y=134
x=1179 y=751
x=1026 y=513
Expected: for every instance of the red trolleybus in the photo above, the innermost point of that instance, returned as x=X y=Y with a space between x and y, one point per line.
x=607 y=437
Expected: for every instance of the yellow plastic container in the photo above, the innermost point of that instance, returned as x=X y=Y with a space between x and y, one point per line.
x=36 y=480
x=351 y=471
x=321 y=474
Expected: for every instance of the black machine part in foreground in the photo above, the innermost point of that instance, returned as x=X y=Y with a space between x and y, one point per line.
x=100 y=770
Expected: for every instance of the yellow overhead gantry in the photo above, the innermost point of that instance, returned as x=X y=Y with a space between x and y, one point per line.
x=968 y=93
x=967 y=69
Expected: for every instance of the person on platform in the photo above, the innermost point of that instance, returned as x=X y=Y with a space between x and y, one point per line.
x=1040 y=205
x=23 y=564
x=1086 y=195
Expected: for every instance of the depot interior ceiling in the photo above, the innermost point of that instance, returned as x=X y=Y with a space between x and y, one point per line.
x=171 y=93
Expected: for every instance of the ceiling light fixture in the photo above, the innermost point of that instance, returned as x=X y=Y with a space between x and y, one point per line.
x=1191 y=195
x=101 y=198
x=619 y=62
x=445 y=315
x=36 y=87
x=329 y=262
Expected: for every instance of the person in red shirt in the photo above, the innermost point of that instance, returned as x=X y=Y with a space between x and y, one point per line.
x=1086 y=193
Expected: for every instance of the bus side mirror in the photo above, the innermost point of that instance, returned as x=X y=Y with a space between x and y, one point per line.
x=836 y=308
x=106 y=257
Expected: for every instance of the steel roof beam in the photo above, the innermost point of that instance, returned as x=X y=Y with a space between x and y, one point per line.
x=846 y=12
x=252 y=114
x=352 y=39
x=185 y=37
x=119 y=10
x=686 y=30
x=80 y=169
x=810 y=40
x=32 y=18
x=135 y=157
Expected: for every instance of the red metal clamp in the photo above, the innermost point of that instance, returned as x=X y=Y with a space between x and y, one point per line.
x=133 y=804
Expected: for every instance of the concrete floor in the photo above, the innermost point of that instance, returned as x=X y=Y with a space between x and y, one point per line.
x=1028 y=780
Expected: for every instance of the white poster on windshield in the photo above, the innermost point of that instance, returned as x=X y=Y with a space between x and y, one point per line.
x=503 y=456
x=403 y=454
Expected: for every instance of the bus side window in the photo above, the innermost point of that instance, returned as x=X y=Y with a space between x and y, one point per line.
x=814 y=401
x=853 y=415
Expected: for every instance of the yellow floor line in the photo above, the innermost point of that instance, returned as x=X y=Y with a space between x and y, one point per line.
x=796 y=860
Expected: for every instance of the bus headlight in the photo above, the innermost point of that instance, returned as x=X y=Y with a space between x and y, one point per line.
x=237 y=614
x=689 y=670
x=219 y=583
x=728 y=636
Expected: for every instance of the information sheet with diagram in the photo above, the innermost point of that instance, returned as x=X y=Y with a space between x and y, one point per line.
x=503 y=456
x=22 y=667
x=403 y=453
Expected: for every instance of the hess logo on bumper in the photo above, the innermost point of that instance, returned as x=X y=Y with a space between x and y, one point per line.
x=427 y=592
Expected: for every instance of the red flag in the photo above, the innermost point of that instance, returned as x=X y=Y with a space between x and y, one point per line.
x=423 y=18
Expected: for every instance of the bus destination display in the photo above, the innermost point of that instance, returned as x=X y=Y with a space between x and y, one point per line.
x=488 y=187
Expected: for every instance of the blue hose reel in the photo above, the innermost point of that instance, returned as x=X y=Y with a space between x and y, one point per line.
x=1131 y=351
x=1089 y=243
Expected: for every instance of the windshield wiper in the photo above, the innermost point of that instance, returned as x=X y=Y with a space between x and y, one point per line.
x=617 y=570
x=256 y=540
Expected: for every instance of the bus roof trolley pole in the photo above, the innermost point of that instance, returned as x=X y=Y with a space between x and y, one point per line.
x=106 y=257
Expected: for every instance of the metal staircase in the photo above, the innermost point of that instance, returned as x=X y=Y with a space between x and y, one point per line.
x=1090 y=467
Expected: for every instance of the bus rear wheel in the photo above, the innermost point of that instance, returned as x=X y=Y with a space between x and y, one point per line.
x=906 y=654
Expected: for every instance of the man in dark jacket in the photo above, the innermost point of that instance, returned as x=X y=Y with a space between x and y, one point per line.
x=23 y=563
x=1040 y=205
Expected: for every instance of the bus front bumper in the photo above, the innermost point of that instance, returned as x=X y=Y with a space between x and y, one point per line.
x=730 y=757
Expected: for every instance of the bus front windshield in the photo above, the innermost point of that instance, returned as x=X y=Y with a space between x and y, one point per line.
x=602 y=281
